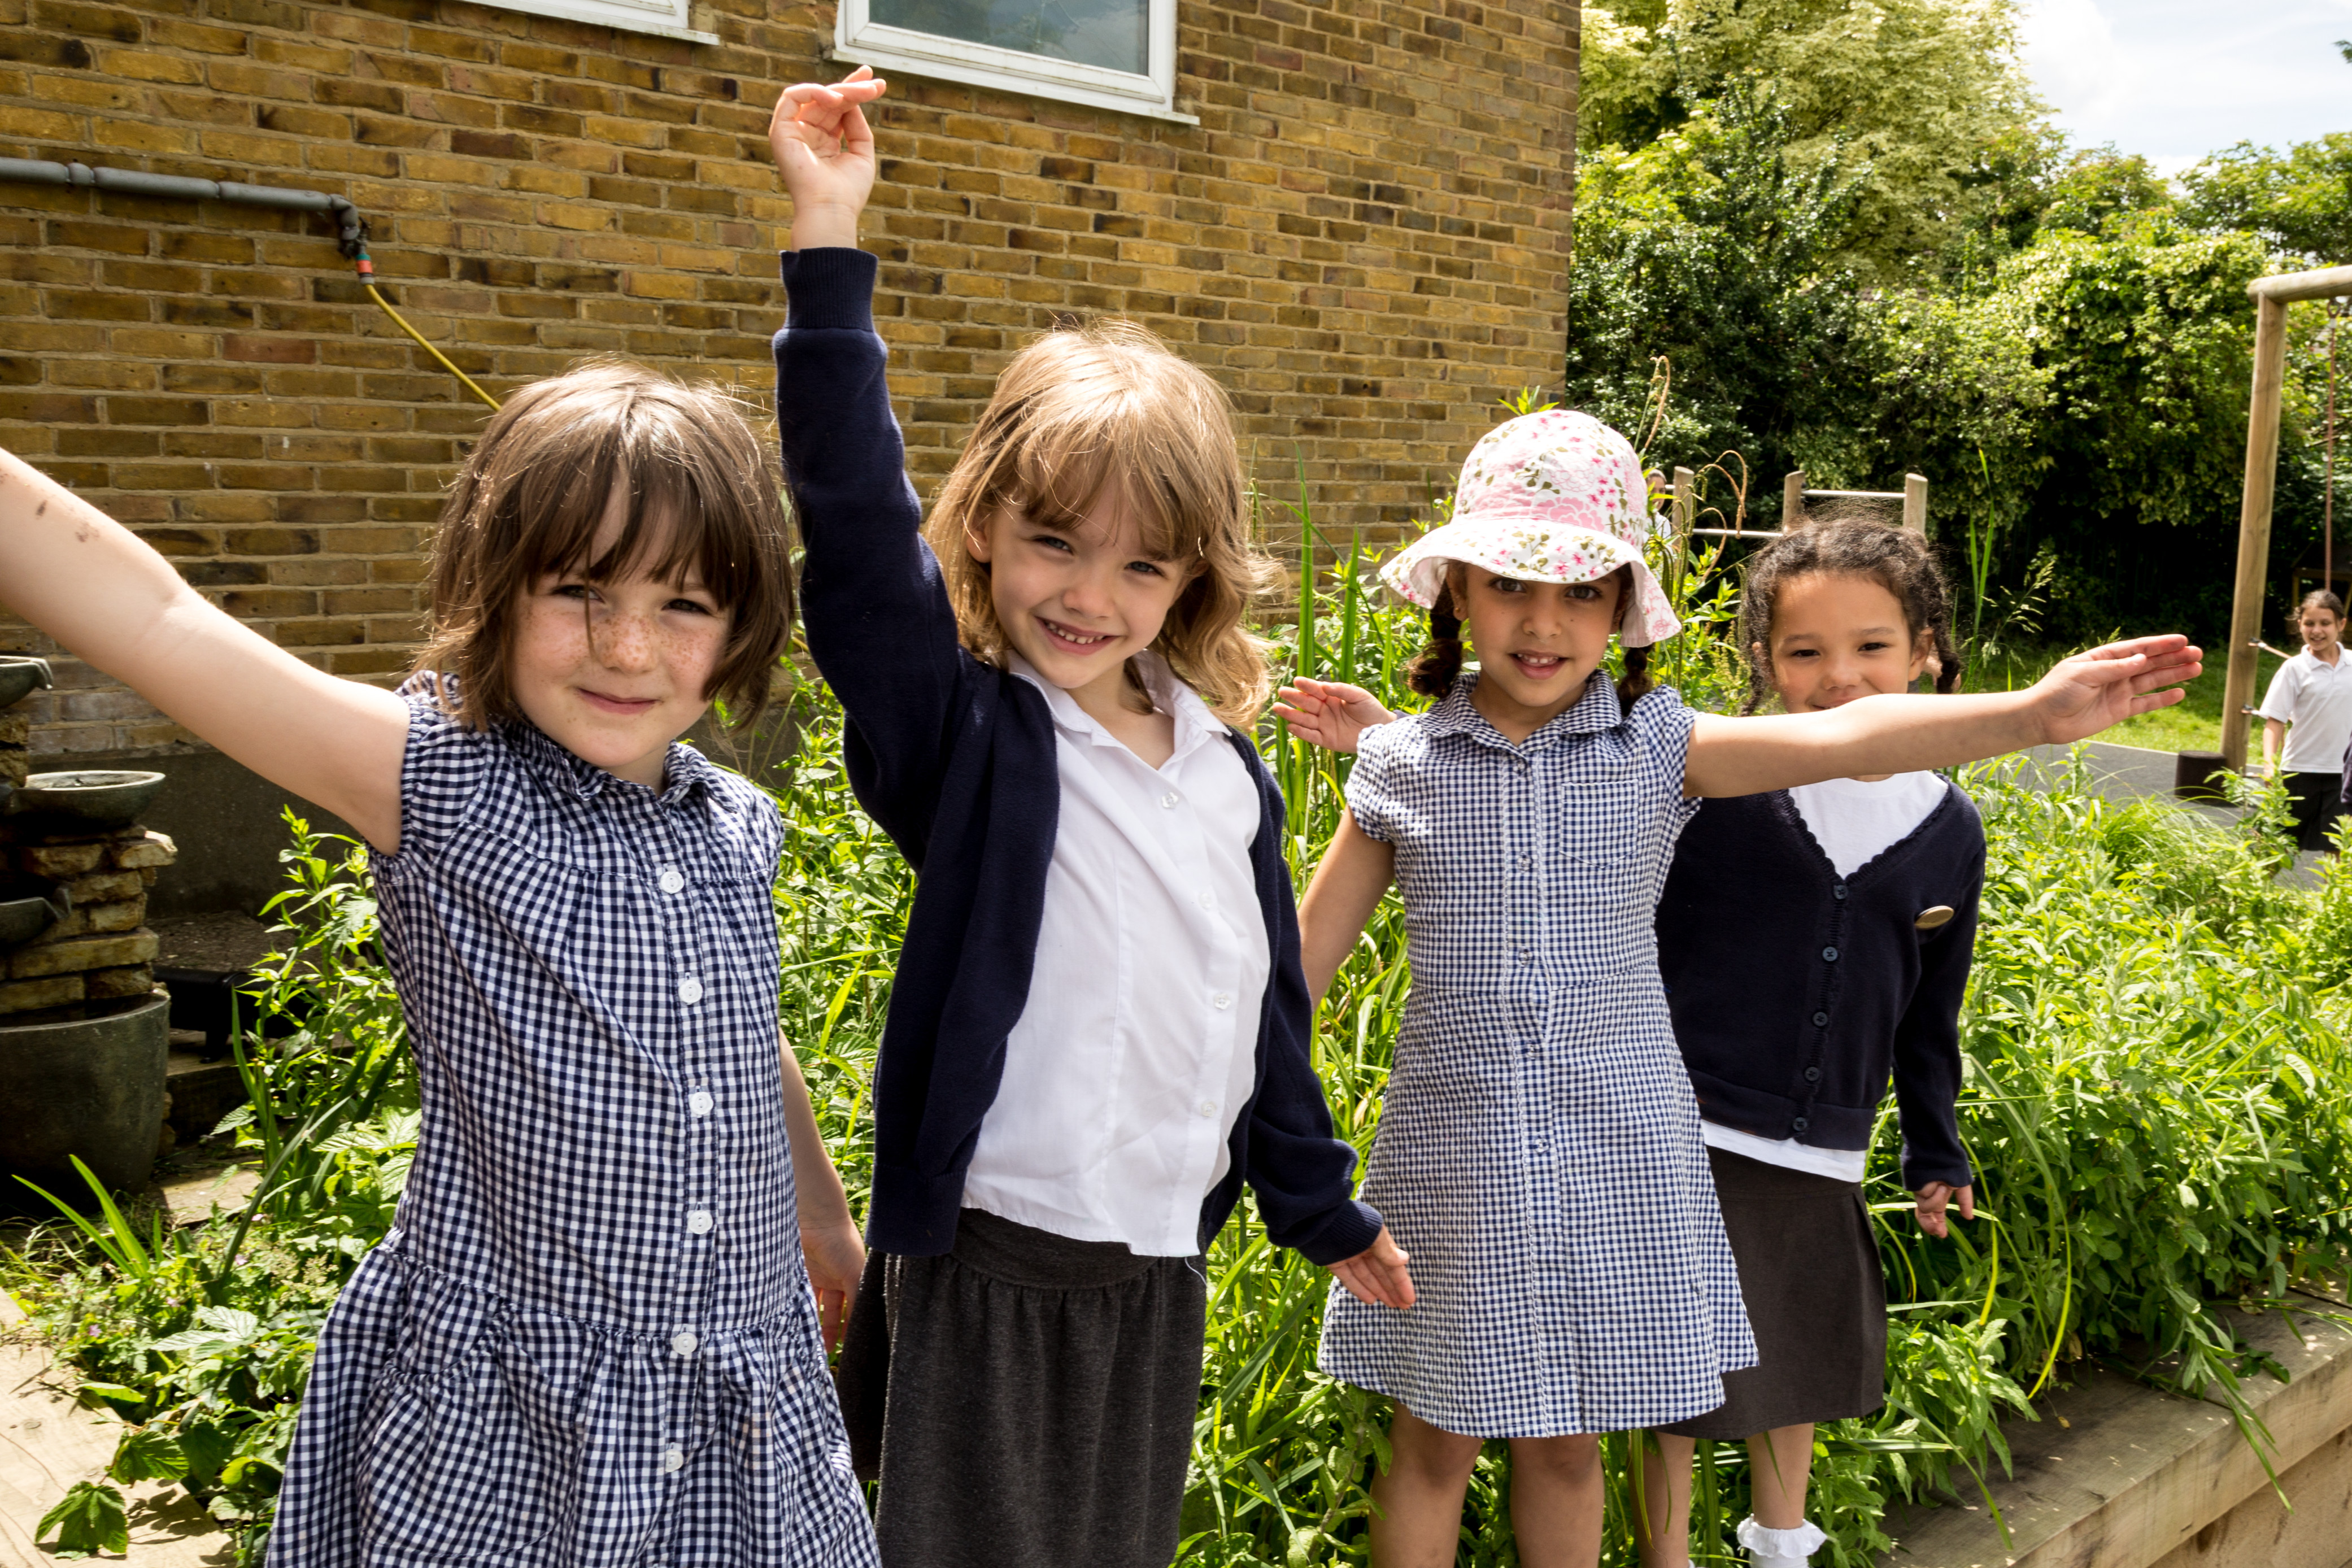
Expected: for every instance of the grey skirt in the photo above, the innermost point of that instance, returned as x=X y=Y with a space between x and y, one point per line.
x=1810 y=1275
x=1026 y=1401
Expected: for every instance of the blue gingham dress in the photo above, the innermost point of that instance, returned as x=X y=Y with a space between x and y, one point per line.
x=1538 y=1153
x=590 y=1338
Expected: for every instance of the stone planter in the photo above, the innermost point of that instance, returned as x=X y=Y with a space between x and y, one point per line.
x=92 y=1086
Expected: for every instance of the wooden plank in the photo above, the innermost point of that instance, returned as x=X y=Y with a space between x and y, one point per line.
x=1792 y=498
x=1914 y=502
x=2325 y=283
x=2255 y=521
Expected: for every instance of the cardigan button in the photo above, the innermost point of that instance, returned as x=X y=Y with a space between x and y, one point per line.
x=1828 y=955
x=1820 y=1020
x=1838 y=891
x=1813 y=1075
x=1799 y=1125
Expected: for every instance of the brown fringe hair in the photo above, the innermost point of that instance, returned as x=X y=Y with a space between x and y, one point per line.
x=534 y=490
x=1095 y=405
x=1897 y=559
x=1433 y=669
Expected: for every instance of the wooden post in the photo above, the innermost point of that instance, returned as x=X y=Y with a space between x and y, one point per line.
x=1792 y=499
x=1685 y=502
x=2272 y=296
x=1914 y=502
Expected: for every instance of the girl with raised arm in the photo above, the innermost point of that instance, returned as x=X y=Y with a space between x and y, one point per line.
x=1098 y=1030
x=590 y=1338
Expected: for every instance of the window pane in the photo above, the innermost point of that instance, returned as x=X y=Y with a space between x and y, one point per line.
x=1108 y=33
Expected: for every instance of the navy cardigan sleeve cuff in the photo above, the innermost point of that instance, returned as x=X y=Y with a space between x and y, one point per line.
x=829 y=288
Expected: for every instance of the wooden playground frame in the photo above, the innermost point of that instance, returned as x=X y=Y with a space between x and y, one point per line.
x=2271 y=297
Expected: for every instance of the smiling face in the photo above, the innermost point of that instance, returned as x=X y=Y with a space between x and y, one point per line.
x=613 y=672
x=1535 y=642
x=1837 y=636
x=1077 y=602
x=2320 y=628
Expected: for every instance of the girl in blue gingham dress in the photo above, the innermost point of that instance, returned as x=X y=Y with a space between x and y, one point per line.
x=1539 y=1156
x=593 y=1338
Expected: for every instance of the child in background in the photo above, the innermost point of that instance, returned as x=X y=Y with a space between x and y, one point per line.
x=1540 y=1151
x=1099 y=1028
x=2309 y=708
x=1790 y=1052
x=590 y=1338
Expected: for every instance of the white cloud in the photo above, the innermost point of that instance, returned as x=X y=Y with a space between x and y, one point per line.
x=2175 y=80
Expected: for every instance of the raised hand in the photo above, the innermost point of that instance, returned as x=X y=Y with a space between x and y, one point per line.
x=1377 y=1276
x=1329 y=713
x=2084 y=694
x=824 y=149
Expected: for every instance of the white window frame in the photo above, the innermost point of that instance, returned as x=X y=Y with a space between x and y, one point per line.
x=858 y=39
x=663 y=19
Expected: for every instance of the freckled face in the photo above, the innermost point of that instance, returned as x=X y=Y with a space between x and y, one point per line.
x=1840 y=635
x=613 y=672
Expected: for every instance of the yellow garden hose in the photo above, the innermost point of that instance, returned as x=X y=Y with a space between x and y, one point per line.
x=367 y=275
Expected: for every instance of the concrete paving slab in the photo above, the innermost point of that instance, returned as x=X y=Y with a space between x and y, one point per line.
x=47 y=1442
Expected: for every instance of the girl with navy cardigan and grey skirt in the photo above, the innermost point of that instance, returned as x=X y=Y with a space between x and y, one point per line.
x=1099 y=1028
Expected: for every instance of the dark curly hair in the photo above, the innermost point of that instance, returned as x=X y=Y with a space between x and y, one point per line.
x=1433 y=669
x=1897 y=559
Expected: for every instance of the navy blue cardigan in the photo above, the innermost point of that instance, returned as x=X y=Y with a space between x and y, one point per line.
x=955 y=759
x=1796 y=994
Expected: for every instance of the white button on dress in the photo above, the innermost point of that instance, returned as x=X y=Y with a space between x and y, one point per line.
x=700 y=1102
x=670 y=881
x=698 y=1222
x=673 y=1458
x=689 y=990
x=685 y=1342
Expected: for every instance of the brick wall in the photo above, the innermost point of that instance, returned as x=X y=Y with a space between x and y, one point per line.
x=1365 y=240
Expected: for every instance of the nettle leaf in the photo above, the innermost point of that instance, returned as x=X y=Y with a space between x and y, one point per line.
x=91 y=1517
x=148 y=1455
x=234 y=1321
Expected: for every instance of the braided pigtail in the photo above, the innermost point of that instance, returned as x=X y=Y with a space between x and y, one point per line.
x=1432 y=670
x=1635 y=681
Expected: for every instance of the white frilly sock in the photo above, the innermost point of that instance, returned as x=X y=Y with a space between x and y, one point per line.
x=1779 y=1547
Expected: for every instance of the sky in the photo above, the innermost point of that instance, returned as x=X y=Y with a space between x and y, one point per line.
x=2175 y=80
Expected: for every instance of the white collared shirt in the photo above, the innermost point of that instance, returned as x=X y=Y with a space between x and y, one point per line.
x=2315 y=701
x=1138 y=1045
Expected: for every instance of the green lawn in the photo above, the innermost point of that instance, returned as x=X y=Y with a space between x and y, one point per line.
x=2194 y=725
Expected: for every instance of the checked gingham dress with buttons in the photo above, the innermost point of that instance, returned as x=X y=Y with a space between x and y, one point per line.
x=1538 y=1153
x=589 y=1340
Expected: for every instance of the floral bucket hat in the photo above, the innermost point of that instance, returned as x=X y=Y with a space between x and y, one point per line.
x=1556 y=497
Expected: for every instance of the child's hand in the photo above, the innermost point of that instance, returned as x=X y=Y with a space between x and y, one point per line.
x=1329 y=713
x=1935 y=1197
x=826 y=151
x=835 y=1257
x=1376 y=1276
x=2083 y=695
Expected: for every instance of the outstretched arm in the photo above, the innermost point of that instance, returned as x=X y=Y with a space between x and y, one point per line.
x=90 y=583
x=2079 y=698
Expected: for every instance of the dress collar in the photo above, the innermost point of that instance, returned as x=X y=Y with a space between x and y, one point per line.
x=1596 y=710
x=685 y=772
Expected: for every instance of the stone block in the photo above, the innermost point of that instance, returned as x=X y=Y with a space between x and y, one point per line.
x=145 y=852
x=15 y=766
x=126 y=914
x=76 y=955
x=131 y=979
x=104 y=886
x=59 y=859
x=15 y=725
x=30 y=995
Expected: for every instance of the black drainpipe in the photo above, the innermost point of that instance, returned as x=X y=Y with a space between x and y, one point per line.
x=351 y=240
x=350 y=228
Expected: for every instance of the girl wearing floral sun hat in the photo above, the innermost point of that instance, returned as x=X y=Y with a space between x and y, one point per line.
x=1539 y=1156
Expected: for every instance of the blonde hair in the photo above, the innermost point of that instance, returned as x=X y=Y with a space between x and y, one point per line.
x=533 y=492
x=1086 y=410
